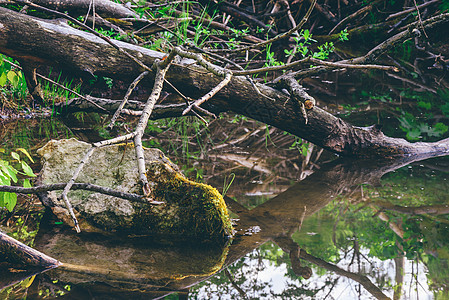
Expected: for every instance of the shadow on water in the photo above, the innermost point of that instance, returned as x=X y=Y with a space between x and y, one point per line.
x=335 y=228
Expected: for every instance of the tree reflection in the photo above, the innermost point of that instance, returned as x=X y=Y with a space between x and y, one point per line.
x=356 y=230
x=388 y=239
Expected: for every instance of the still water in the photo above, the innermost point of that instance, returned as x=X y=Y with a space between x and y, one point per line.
x=312 y=228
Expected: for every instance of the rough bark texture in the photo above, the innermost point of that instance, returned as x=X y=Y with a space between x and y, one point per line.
x=104 y=8
x=18 y=254
x=34 y=41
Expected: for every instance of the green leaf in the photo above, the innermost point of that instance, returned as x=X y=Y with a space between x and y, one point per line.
x=26 y=153
x=28 y=171
x=437 y=130
x=26 y=183
x=424 y=104
x=441 y=127
x=10 y=201
x=15 y=156
x=10 y=172
x=3 y=79
x=4 y=179
x=2 y=199
x=13 y=77
x=414 y=134
x=27 y=282
x=445 y=109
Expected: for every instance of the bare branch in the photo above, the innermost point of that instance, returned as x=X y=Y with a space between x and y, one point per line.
x=209 y=95
x=131 y=88
x=76 y=186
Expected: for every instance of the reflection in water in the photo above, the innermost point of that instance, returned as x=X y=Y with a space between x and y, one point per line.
x=354 y=229
x=361 y=241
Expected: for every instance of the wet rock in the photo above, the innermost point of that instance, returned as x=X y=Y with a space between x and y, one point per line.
x=190 y=209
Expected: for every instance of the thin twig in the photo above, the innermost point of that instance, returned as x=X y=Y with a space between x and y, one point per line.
x=125 y=99
x=316 y=61
x=224 y=59
x=76 y=186
x=357 y=13
x=410 y=10
x=209 y=95
x=70 y=184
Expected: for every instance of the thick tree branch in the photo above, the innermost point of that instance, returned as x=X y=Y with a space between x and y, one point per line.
x=26 y=39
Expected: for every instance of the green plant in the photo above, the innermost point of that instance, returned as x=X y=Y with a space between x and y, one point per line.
x=54 y=92
x=415 y=129
x=226 y=184
x=444 y=6
x=12 y=80
x=109 y=82
x=343 y=35
x=23 y=233
x=300 y=145
x=304 y=41
x=270 y=59
x=9 y=172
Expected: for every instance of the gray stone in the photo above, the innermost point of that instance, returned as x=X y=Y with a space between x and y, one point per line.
x=190 y=209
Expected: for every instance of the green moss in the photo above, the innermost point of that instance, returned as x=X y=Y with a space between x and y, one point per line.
x=190 y=209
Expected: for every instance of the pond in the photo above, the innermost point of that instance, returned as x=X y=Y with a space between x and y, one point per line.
x=308 y=225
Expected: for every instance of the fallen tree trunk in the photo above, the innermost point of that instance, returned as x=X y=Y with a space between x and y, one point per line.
x=105 y=8
x=18 y=261
x=35 y=42
x=18 y=254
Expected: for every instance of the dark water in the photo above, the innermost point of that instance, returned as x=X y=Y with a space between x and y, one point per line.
x=307 y=227
x=365 y=230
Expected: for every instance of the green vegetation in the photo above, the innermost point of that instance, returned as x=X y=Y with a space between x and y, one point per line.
x=11 y=171
x=13 y=88
x=202 y=207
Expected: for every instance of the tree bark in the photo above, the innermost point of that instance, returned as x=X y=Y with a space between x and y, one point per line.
x=16 y=253
x=34 y=41
x=104 y=8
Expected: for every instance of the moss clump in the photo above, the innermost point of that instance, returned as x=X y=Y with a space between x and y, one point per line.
x=190 y=209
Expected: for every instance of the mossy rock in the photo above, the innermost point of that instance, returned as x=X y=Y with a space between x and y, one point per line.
x=189 y=209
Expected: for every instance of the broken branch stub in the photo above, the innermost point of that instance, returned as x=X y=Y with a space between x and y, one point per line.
x=298 y=93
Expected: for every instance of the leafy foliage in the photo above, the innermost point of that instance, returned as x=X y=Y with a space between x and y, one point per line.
x=12 y=171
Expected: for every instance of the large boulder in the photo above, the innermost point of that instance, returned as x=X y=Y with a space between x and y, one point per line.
x=189 y=209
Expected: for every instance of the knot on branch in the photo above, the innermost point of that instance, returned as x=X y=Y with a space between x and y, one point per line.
x=298 y=93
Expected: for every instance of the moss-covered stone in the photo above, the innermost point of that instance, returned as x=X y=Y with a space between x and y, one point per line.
x=189 y=209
